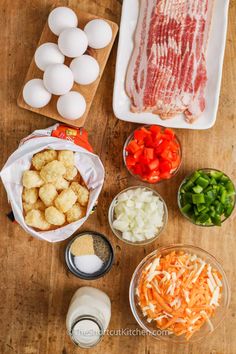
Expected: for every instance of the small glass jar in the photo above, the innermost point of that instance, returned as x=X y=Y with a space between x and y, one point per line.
x=88 y=316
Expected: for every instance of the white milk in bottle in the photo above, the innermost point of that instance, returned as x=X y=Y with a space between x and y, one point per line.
x=88 y=316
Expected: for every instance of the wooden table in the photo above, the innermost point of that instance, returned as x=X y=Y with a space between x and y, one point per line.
x=36 y=288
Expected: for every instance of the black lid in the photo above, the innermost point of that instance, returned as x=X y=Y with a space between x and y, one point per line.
x=69 y=258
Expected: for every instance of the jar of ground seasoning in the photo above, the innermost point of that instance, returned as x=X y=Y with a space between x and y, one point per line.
x=89 y=255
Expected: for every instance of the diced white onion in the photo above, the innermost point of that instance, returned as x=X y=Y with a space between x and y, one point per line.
x=138 y=214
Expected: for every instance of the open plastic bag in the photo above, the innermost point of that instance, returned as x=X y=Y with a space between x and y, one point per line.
x=88 y=164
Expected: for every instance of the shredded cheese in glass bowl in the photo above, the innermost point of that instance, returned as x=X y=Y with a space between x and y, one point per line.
x=179 y=293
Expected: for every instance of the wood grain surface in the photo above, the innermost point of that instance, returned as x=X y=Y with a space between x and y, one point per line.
x=35 y=286
x=87 y=91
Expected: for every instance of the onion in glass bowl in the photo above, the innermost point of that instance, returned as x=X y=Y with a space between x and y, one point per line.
x=137 y=215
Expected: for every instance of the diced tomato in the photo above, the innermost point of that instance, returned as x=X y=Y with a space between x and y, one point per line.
x=153 y=177
x=149 y=141
x=143 y=160
x=145 y=170
x=169 y=132
x=174 y=156
x=165 y=166
x=175 y=163
x=163 y=146
x=148 y=153
x=137 y=169
x=138 y=153
x=153 y=154
x=132 y=146
x=139 y=135
x=145 y=130
x=167 y=155
x=155 y=129
x=140 y=143
x=157 y=141
x=153 y=165
x=165 y=175
x=130 y=161
x=174 y=145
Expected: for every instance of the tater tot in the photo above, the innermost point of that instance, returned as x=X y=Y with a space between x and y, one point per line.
x=36 y=218
x=52 y=171
x=81 y=192
x=42 y=158
x=32 y=179
x=71 y=172
x=75 y=213
x=38 y=205
x=54 y=216
x=65 y=200
x=48 y=193
x=67 y=157
x=61 y=183
x=78 y=178
x=30 y=196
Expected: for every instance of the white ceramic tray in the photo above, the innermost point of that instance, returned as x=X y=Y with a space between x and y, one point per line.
x=215 y=57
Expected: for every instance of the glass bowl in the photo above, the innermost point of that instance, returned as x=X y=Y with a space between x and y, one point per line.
x=207 y=170
x=150 y=327
x=138 y=177
x=111 y=217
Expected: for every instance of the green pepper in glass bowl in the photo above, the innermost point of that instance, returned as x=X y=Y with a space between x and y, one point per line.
x=207 y=197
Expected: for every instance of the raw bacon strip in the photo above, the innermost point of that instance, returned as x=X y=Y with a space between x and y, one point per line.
x=167 y=70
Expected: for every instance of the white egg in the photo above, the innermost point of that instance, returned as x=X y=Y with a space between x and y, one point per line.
x=47 y=54
x=99 y=33
x=58 y=79
x=61 y=18
x=35 y=94
x=85 y=69
x=71 y=105
x=73 y=42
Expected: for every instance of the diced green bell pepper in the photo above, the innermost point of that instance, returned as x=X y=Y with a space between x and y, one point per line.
x=203 y=182
x=224 y=179
x=197 y=189
x=203 y=218
x=216 y=174
x=223 y=196
x=230 y=188
x=229 y=211
x=201 y=207
x=216 y=220
x=213 y=181
x=198 y=198
x=186 y=208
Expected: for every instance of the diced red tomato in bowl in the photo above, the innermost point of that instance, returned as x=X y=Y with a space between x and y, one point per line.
x=152 y=153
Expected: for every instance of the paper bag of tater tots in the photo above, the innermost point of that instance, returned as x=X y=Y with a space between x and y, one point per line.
x=56 y=138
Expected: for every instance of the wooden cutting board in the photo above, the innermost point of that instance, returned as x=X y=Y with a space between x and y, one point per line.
x=88 y=91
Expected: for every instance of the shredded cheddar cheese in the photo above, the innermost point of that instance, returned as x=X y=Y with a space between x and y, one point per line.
x=180 y=292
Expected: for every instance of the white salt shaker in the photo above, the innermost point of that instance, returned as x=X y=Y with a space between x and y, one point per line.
x=88 y=316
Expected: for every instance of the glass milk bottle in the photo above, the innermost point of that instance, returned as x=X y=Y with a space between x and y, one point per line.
x=88 y=316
